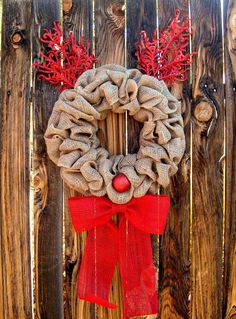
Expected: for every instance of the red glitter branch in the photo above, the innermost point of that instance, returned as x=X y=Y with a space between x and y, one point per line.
x=65 y=60
x=166 y=58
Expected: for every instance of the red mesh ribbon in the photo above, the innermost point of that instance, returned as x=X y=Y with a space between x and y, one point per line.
x=128 y=244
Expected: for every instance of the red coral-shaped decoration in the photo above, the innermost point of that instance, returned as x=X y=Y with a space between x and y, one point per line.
x=166 y=58
x=65 y=60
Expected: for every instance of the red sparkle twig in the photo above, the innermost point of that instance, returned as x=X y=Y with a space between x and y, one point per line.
x=65 y=59
x=166 y=57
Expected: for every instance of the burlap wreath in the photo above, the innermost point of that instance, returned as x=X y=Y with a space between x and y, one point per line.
x=73 y=145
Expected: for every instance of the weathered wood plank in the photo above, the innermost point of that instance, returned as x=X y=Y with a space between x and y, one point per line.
x=175 y=244
x=141 y=15
x=229 y=286
x=77 y=17
x=48 y=195
x=207 y=151
x=109 y=46
x=15 y=263
x=109 y=31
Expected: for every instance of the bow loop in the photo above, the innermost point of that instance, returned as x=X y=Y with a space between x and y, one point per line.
x=89 y=212
x=149 y=213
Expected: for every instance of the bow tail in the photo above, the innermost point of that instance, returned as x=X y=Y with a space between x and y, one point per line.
x=98 y=264
x=137 y=271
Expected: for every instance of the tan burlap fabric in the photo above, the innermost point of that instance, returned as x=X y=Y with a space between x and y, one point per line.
x=73 y=145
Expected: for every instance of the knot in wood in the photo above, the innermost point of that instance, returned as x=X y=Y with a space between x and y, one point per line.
x=17 y=39
x=118 y=9
x=67 y=5
x=117 y=14
x=203 y=112
x=233 y=21
x=37 y=183
x=232 y=28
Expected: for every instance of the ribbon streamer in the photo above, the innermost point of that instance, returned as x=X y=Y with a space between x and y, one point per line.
x=127 y=243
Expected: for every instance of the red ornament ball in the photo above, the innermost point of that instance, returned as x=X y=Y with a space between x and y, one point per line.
x=121 y=183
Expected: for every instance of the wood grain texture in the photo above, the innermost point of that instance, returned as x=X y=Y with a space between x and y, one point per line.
x=175 y=244
x=109 y=48
x=207 y=152
x=109 y=31
x=77 y=17
x=141 y=15
x=229 y=286
x=48 y=195
x=15 y=264
x=185 y=292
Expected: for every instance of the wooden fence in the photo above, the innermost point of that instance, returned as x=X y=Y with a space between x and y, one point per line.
x=40 y=252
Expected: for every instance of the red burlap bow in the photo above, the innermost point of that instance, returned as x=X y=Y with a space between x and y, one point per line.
x=128 y=243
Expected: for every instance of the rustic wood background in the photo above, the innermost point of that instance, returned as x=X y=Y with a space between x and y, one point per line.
x=40 y=252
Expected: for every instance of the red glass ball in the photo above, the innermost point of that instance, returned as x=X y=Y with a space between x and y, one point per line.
x=121 y=183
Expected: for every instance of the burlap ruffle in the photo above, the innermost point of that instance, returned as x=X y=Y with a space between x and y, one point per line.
x=73 y=145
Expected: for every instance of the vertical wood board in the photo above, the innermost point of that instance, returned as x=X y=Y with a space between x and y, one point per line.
x=48 y=195
x=15 y=264
x=109 y=48
x=141 y=15
x=175 y=244
x=229 y=284
x=77 y=18
x=207 y=150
